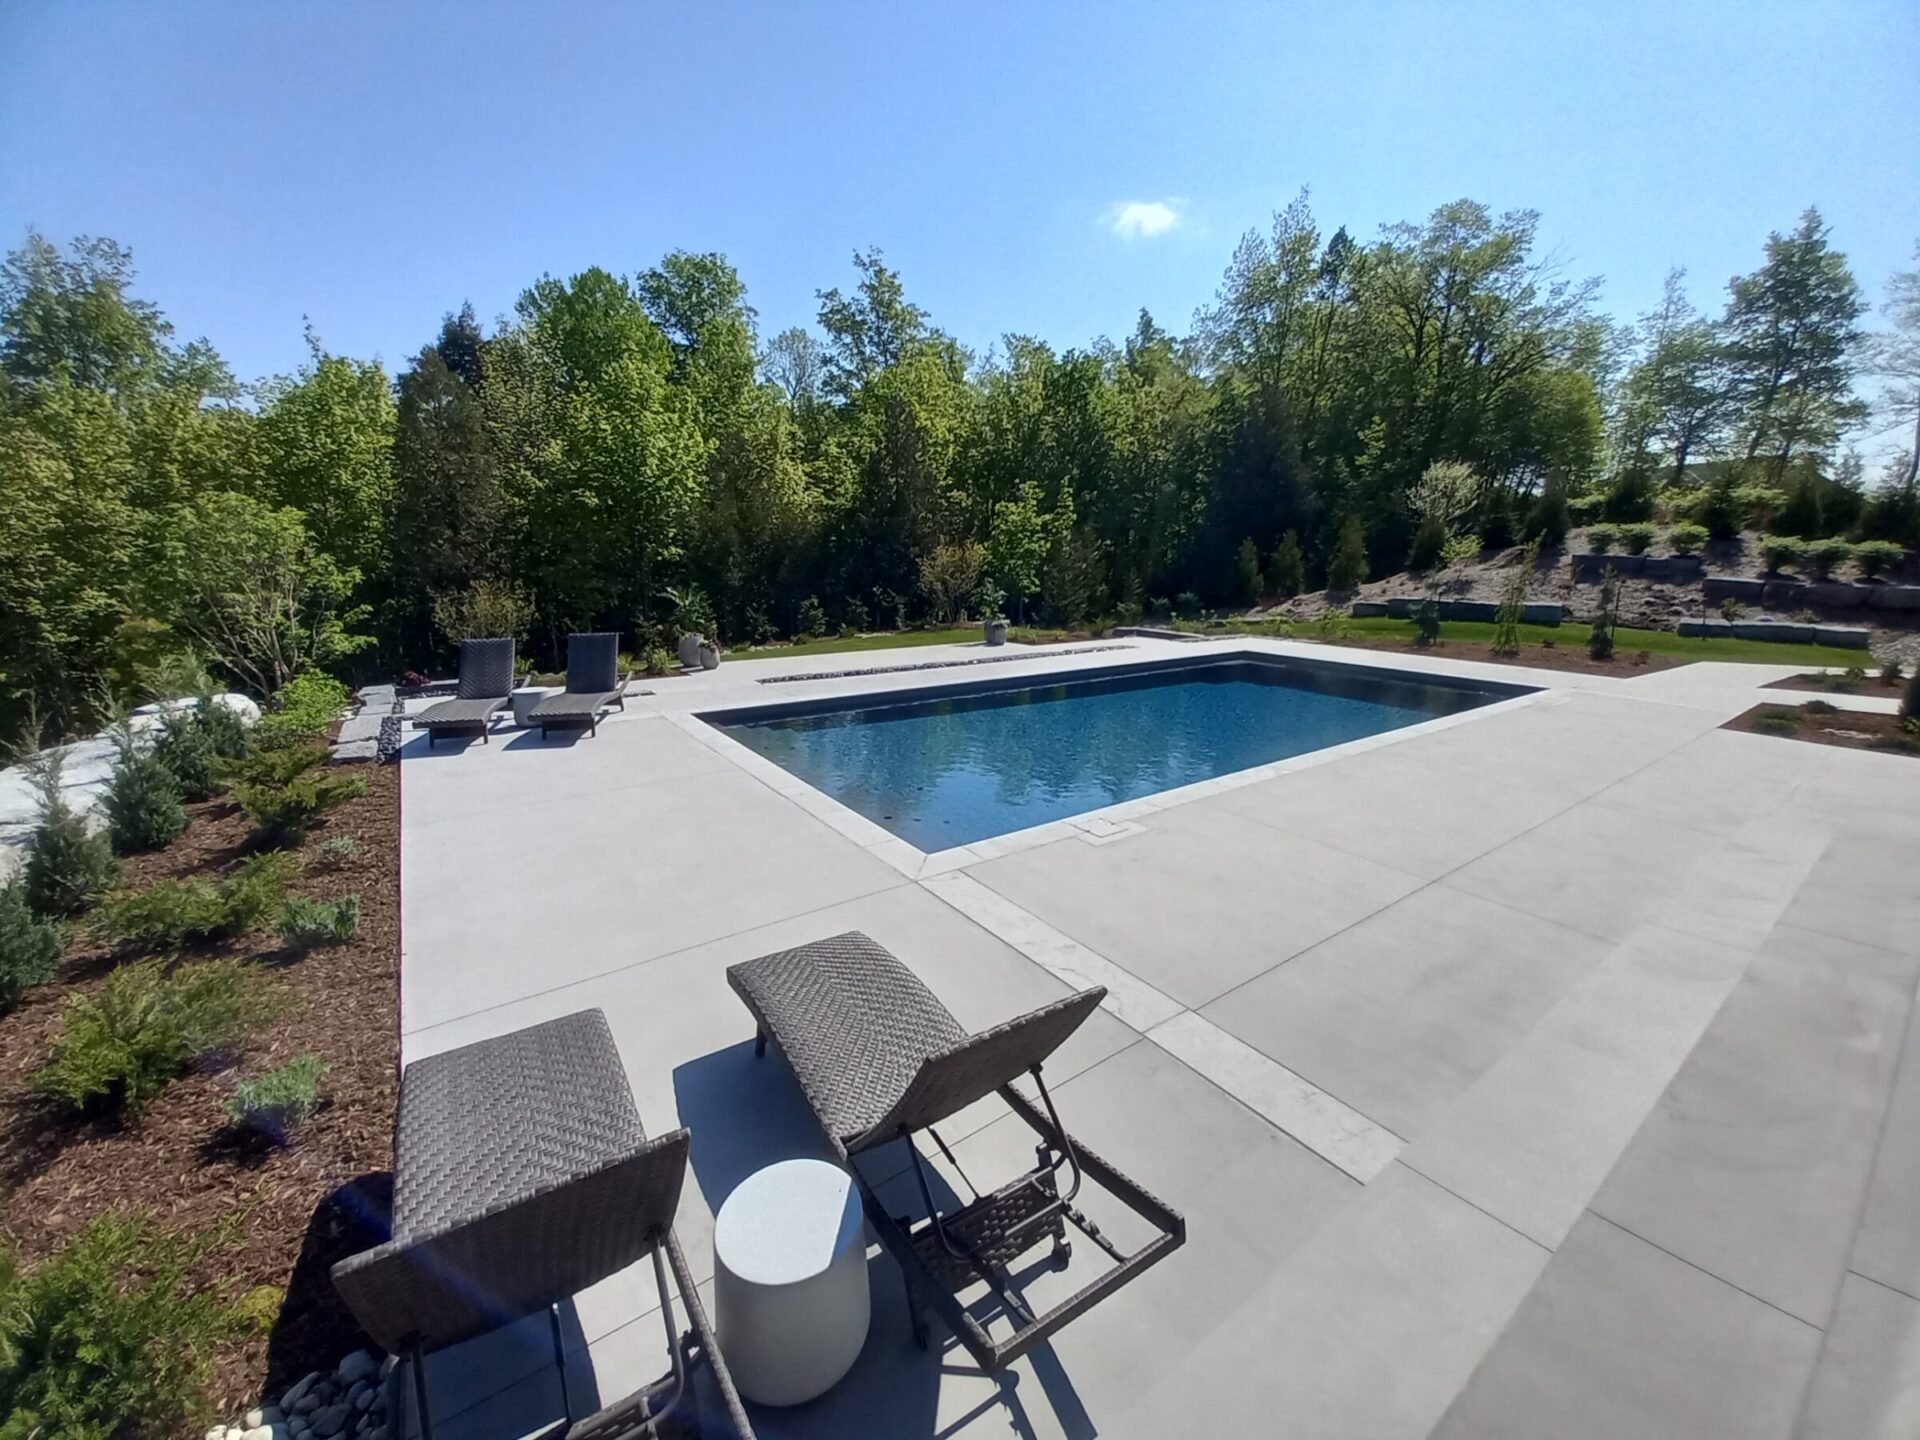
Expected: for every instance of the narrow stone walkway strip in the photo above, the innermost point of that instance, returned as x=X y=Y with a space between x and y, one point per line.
x=1132 y=1000
x=1333 y=1130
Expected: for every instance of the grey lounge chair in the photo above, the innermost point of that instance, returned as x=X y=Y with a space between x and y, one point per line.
x=593 y=683
x=486 y=685
x=879 y=1059
x=522 y=1176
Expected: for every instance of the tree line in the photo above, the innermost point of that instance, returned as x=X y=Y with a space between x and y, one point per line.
x=629 y=452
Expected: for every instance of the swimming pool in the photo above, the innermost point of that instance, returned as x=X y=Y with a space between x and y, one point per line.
x=945 y=767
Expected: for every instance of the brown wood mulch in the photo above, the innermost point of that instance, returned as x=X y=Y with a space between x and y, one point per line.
x=1625 y=664
x=179 y=1159
x=1850 y=729
x=1836 y=685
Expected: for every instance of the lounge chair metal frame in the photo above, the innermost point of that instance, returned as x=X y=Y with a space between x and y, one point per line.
x=522 y=1176
x=593 y=683
x=898 y=1064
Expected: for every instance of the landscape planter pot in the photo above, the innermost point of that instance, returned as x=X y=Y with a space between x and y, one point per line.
x=688 y=649
x=709 y=656
x=996 y=631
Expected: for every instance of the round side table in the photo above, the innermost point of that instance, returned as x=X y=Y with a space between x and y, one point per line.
x=790 y=1281
x=524 y=699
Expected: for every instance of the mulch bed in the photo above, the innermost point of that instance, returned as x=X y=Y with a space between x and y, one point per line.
x=179 y=1159
x=1836 y=685
x=1850 y=729
x=1625 y=663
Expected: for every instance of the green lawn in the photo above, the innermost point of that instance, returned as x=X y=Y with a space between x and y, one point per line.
x=1460 y=633
x=1626 y=640
x=837 y=644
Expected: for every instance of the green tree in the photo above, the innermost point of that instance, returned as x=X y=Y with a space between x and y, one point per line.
x=445 y=528
x=600 y=455
x=72 y=319
x=1791 y=335
x=245 y=582
x=1347 y=567
x=1022 y=534
x=949 y=574
x=1606 y=616
x=1287 y=576
x=1681 y=395
x=326 y=450
x=1247 y=572
x=869 y=330
x=1893 y=356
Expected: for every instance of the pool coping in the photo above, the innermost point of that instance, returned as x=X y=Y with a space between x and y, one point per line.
x=1107 y=823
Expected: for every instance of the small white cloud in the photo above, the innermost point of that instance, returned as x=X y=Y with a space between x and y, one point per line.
x=1143 y=219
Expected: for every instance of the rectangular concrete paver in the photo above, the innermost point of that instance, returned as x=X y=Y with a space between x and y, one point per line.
x=1533 y=1138
x=1622 y=1340
x=1754 y=1164
x=1597 y=870
x=1400 y=1013
x=563 y=889
x=1366 y=1333
x=1151 y=902
x=1866 y=1384
x=1887 y=1245
x=1396 y=807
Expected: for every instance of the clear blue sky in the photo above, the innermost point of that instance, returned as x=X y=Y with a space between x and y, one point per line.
x=371 y=166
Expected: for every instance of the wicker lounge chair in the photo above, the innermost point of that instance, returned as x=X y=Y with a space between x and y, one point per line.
x=879 y=1059
x=593 y=683
x=521 y=1177
x=486 y=685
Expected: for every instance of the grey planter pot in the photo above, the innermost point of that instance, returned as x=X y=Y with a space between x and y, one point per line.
x=709 y=656
x=996 y=631
x=688 y=649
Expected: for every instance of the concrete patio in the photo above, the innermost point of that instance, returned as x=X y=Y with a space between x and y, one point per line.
x=1540 y=1071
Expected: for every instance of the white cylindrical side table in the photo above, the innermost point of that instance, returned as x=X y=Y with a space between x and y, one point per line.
x=790 y=1281
x=524 y=699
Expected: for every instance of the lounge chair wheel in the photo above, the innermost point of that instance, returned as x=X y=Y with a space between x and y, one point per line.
x=1062 y=1252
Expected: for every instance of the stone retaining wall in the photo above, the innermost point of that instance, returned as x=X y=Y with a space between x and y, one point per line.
x=1785 y=594
x=1846 y=637
x=1401 y=607
x=1661 y=569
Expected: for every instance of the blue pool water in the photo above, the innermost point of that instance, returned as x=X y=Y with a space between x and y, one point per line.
x=946 y=771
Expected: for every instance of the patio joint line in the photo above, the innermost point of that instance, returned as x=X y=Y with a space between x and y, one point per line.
x=1692 y=1265
x=1444 y=876
x=1908 y=1294
x=1474 y=1205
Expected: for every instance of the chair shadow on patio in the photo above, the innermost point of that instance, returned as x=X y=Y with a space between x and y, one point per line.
x=557 y=739
x=746 y=1113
